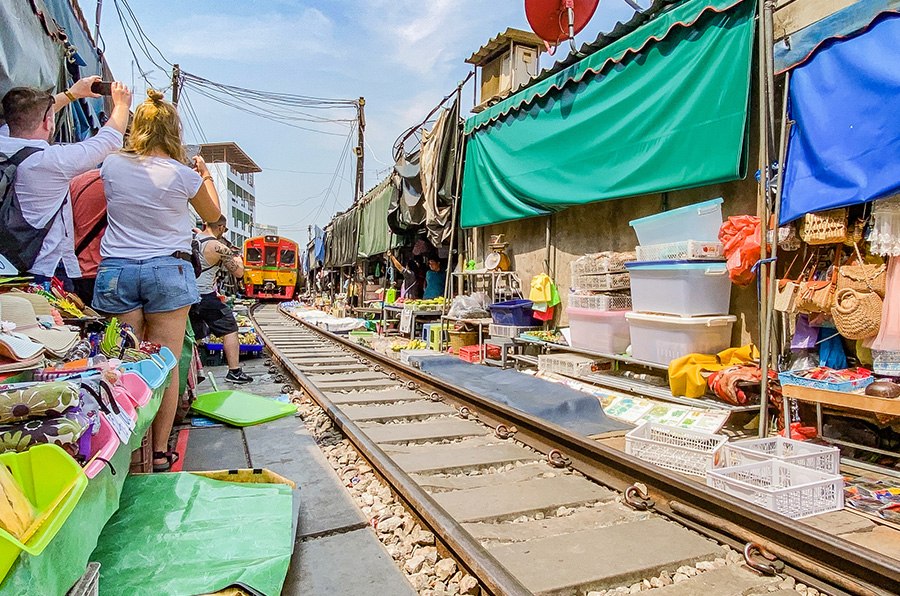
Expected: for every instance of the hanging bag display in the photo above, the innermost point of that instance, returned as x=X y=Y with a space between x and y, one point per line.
x=857 y=315
x=862 y=276
x=817 y=296
x=824 y=227
x=786 y=289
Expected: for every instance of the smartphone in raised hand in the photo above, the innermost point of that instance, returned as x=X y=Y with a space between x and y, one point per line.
x=102 y=87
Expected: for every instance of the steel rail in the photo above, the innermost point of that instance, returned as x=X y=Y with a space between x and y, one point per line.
x=867 y=571
x=466 y=549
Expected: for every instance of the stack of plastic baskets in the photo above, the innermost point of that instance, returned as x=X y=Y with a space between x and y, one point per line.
x=599 y=298
x=793 y=478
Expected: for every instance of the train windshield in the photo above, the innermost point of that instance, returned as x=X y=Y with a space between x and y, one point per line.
x=254 y=255
x=288 y=256
x=271 y=256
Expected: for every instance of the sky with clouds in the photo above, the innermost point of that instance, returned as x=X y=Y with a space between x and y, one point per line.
x=403 y=56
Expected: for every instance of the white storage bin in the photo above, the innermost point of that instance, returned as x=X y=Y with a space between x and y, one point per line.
x=680 y=449
x=682 y=251
x=571 y=365
x=604 y=282
x=662 y=338
x=792 y=491
x=599 y=331
x=686 y=289
x=800 y=453
x=700 y=221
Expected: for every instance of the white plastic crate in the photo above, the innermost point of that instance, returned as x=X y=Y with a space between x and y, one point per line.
x=661 y=338
x=570 y=365
x=682 y=450
x=509 y=330
x=602 y=282
x=687 y=250
x=801 y=453
x=683 y=288
x=601 y=262
x=605 y=301
x=793 y=491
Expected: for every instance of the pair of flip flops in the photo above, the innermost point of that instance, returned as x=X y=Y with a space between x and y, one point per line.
x=170 y=456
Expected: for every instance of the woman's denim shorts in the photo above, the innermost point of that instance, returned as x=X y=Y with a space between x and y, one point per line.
x=160 y=284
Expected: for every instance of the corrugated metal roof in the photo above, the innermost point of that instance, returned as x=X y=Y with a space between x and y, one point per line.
x=231 y=154
x=500 y=42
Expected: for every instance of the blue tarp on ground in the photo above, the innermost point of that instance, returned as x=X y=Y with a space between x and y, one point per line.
x=844 y=147
x=553 y=402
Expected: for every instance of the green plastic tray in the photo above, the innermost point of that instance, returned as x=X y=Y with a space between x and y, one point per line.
x=240 y=409
x=50 y=479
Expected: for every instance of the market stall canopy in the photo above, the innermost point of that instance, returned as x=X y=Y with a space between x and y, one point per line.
x=663 y=107
x=845 y=139
x=342 y=239
x=375 y=236
x=800 y=46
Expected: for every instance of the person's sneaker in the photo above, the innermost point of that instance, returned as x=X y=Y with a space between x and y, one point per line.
x=239 y=377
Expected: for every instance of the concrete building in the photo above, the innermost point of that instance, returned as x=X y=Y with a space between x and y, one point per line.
x=260 y=229
x=233 y=173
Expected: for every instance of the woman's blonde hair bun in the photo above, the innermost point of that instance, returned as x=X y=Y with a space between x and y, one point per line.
x=155 y=96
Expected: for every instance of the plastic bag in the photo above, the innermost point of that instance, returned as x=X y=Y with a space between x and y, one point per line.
x=470 y=307
x=741 y=237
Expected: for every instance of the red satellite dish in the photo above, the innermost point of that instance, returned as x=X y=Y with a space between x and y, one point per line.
x=555 y=21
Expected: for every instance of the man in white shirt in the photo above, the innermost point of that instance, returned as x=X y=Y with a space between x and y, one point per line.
x=42 y=179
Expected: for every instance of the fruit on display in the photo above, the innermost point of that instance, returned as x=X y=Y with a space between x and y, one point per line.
x=431 y=304
x=416 y=344
x=548 y=336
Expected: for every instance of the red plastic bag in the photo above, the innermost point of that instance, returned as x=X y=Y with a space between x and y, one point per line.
x=741 y=236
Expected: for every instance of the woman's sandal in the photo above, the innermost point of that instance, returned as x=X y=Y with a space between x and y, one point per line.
x=170 y=456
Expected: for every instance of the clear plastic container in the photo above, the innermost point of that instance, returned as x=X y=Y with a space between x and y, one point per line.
x=700 y=221
x=681 y=251
x=600 y=331
x=663 y=338
x=685 y=289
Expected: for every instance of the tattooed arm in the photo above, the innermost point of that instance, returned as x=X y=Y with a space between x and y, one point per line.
x=229 y=262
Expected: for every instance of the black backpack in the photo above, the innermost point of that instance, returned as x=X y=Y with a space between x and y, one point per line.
x=20 y=242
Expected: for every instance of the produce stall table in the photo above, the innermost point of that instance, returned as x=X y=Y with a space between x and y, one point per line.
x=480 y=323
x=634 y=385
x=847 y=401
x=64 y=560
x=413 y=314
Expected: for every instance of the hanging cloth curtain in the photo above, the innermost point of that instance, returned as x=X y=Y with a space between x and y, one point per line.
x=844 y=145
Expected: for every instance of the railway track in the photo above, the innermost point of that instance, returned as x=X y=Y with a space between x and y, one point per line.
x=527 y=507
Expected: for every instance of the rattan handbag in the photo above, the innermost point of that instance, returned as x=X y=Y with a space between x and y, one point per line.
x=824 y=227
x=817 y=296
x=857 y=315
x=862 y=276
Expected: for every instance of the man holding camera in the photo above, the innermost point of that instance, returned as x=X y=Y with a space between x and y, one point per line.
x=45 y=170
x=211 y=315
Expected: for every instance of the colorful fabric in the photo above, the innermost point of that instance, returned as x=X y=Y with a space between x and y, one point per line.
x=69 y=431
x=540 y=288
x=688 y=374
x=37 y=401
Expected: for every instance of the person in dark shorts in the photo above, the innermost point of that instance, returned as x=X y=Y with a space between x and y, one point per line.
x=211 y=315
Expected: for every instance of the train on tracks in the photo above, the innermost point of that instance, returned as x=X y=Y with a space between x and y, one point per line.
x=270 y=268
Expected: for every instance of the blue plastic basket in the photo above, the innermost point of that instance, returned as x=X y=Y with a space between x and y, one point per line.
x=790 y=378
x=516 y=313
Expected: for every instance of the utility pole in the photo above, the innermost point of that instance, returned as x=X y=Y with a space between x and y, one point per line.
x=97 y=37
x=176 y=84
x=361 y=150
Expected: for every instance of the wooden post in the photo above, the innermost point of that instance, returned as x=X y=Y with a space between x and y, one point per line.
x=176 y=84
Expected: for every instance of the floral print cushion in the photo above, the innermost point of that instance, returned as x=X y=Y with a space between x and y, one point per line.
x=69 y=431
x=42 y=400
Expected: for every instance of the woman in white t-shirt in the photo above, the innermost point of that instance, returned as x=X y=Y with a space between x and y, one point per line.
x=145 y=277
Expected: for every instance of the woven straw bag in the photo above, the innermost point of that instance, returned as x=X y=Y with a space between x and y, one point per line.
x=824 y=227
x=817 y=296
x=857 y=315
x=786 y=289
x=862 y=277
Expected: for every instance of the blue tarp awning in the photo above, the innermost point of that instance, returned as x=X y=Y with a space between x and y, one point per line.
x=844 y=146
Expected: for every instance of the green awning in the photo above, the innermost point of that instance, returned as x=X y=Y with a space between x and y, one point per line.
x=663 y=108
x=342 y=239
x=375 y=236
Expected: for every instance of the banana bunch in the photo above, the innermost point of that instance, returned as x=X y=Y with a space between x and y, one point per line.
x=249 y=339
x=416 y=344
x=16 y=511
